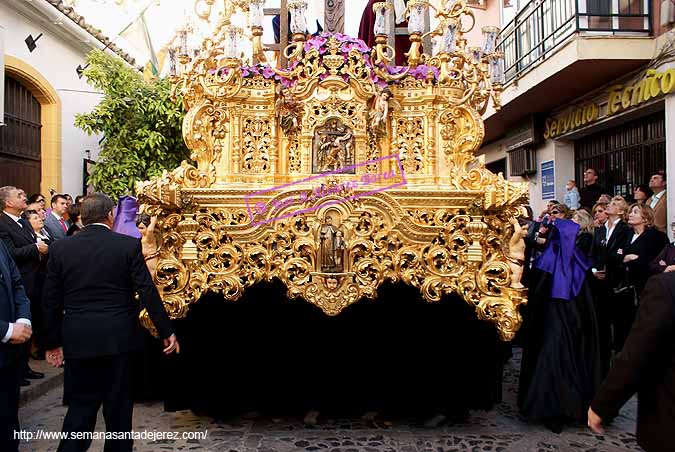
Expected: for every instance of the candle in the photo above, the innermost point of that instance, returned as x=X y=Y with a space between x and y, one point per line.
x=255 y=12
x=382 y=12
x=231 y=36
x=476 y=53
x=298 y=21
x=417 y=10
x=497 y=68
x=183 y=41
x=172 y=62
x=447 y=43
x=490 y=39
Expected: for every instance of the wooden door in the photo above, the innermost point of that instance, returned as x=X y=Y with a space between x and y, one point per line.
x=20 y=138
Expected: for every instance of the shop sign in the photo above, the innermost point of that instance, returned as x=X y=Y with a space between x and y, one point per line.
x=621 y=96
x=579 y=116
x=548 y=180
x=652 y=85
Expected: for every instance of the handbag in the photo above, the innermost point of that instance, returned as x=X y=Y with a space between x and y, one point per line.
x=625 y=289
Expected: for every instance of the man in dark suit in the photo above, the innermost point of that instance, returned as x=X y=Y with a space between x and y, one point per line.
x=93 y=277
x=56 y=222
x=646 y=365
x=24 y=249
x=15 y=329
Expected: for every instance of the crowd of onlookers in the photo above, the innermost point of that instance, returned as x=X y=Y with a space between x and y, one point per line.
x=589 y=260
x=28 y=226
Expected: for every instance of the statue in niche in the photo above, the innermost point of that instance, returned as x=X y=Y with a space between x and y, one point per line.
x=289 y=110
x=333 y=147
x=332 y=247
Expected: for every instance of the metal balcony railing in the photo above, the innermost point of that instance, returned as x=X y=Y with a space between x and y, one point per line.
x=543 y=25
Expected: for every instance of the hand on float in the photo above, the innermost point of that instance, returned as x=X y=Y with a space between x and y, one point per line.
x=171 y=345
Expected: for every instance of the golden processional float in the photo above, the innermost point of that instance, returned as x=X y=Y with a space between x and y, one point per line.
x=339 y=172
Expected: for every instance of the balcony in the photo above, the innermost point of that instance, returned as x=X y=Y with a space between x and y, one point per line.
x=558 y=50
x=543 y=26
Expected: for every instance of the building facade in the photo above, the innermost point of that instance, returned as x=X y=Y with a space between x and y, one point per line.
x=42 y=43
x=589 y=85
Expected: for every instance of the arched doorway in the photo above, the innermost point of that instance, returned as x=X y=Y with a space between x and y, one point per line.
x=20 y=149
x=49 y=162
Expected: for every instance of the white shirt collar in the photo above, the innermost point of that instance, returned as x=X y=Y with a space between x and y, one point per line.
x=610 y=227
x=56 y=215
x=655 y=199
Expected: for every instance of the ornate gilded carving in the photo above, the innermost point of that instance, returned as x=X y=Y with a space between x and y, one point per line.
x=257 y=134
x=410 y=143
x=264 y=139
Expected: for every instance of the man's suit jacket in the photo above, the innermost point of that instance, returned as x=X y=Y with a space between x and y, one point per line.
x=14 y=304
x=660 y=214
x=93 y=276
x=646 y=364
x=21 y=245
x=54 y=228
x=604 y=253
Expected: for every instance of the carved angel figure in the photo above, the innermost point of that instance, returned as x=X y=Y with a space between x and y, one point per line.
x=516 y=255
x=146 y=226
x=379 y=114
x=288 y=110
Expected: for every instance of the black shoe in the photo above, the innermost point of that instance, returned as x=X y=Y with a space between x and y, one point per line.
x=32 y=375
x=24 y=382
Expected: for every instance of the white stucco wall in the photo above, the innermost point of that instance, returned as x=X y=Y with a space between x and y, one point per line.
x=670 y=160
x=560 y=151
x=56 y=59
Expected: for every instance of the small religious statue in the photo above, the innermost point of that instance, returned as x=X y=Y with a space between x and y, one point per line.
x=379 y=113
x=332 y=246
x=516 y=256
x=340 y=247
x=146 y=226
x=288 y=110
x=333 y=147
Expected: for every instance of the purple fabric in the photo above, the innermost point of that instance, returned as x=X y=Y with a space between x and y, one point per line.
x=561 y=258
x=125 y=217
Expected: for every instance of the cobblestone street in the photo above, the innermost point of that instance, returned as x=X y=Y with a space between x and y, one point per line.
x=499 y=430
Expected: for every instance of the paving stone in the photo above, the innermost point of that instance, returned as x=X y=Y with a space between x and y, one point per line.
x=499 y=430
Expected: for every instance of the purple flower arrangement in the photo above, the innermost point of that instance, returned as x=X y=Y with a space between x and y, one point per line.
x=319 y=42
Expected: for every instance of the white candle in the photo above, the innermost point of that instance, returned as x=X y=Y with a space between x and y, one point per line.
x=417 y=10
x=298 y=20
x=490 y=39
x=256 y=12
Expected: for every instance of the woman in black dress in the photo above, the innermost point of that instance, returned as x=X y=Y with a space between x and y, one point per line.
x=561 y=360
x=639 y=249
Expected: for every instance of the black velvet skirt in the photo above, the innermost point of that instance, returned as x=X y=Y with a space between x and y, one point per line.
x=560 y=369
x=397 y=354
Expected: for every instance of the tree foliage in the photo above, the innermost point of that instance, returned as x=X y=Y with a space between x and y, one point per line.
x=141 y=126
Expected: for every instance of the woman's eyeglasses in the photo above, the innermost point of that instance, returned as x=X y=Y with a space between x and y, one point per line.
x=555 y=212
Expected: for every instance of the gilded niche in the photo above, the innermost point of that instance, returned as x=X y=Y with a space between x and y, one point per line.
x=336 y=174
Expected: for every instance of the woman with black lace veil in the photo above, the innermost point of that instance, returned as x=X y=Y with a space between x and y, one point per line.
x=560 y=369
